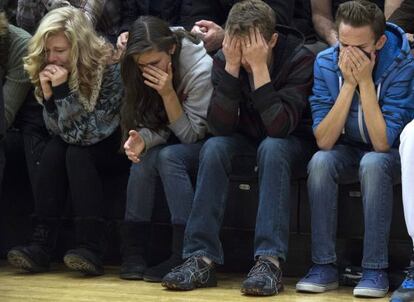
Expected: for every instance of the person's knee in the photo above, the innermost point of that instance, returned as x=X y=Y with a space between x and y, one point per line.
x=274 y=149
x=169 y=154
x=322 y=163
x=76 y=155
x=169 y=158
x=375 y=164
x=215 y=149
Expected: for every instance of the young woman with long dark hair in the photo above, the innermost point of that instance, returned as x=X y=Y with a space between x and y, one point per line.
x=166 y=74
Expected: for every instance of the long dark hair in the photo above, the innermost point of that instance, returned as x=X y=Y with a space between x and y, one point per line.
x=142 y=105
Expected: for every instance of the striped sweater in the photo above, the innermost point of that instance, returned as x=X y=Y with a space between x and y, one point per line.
x=276 y=109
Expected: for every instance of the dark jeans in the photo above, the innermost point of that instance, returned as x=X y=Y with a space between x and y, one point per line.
x=173 y=165
x=278 y=161
x=78 y=168
x=377 y=173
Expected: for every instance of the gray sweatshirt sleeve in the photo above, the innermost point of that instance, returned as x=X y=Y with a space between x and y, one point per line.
x=197 y=90
x=16 y=84
x=152 y=138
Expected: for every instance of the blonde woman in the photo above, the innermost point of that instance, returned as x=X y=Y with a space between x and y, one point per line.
x=80 y=93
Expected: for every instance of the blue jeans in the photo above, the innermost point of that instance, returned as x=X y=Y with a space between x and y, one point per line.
x=277 y=160
x=377 y=172
x=173 y=165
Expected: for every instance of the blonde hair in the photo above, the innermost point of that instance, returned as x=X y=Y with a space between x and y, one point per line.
x=89 y=53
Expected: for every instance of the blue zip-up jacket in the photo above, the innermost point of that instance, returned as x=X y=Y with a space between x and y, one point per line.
x=393 y=77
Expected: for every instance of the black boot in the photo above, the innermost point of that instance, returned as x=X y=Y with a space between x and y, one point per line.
x=134 y=237
x=87 y=257
x=35 y=257
x=156 y=273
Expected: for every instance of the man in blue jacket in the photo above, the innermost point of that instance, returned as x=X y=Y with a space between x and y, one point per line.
x=362 y=99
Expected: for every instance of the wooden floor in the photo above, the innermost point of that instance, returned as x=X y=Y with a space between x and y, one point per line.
x=62 y=285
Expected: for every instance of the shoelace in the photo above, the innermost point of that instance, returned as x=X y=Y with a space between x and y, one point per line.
x=196 y=273
x=260 y=268
x=189 y=263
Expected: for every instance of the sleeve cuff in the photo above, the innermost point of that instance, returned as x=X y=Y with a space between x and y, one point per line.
x=230 y=85
x=50 y=105
x=261 y=97
x=180 y=123
x=61 y=91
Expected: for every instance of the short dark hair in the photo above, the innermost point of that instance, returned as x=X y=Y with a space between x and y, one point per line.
x=361 y=13
x=248 y=14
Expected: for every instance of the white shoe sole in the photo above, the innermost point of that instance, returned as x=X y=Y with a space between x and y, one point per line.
x=316 y=288
x=369 y=292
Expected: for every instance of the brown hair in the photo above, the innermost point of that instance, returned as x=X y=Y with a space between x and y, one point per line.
x=142 y=105
x=251 y=13
x=361 y=13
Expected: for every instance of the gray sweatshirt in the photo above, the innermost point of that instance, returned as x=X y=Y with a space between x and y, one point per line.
x=194 y=91
x=16 y=83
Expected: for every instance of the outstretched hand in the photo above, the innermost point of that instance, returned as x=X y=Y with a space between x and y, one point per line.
x=134 y=146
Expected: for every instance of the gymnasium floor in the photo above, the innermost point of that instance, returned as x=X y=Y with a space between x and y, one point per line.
x=62 y=285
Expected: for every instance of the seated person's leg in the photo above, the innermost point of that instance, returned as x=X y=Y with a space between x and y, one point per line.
x=85 y=165
x=50 y=196
x=2 y=164
x=278 y=159
x=29 y=120
x=378 y=172
x=142 y=182
x=177 y=165
x=202 y=244
x=325 y=171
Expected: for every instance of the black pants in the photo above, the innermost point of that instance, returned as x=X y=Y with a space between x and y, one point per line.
x=23 y=144
x=2 y=163
x=78 y=170
x=30 y=125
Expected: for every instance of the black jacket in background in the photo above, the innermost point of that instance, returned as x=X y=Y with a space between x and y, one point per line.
x=2 y=118
x=404 y=16
x=218 y=10
x=169 y=11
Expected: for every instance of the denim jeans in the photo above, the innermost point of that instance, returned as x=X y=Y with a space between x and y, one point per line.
x=173 y=165
x=377 y=172
x=277 y=160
